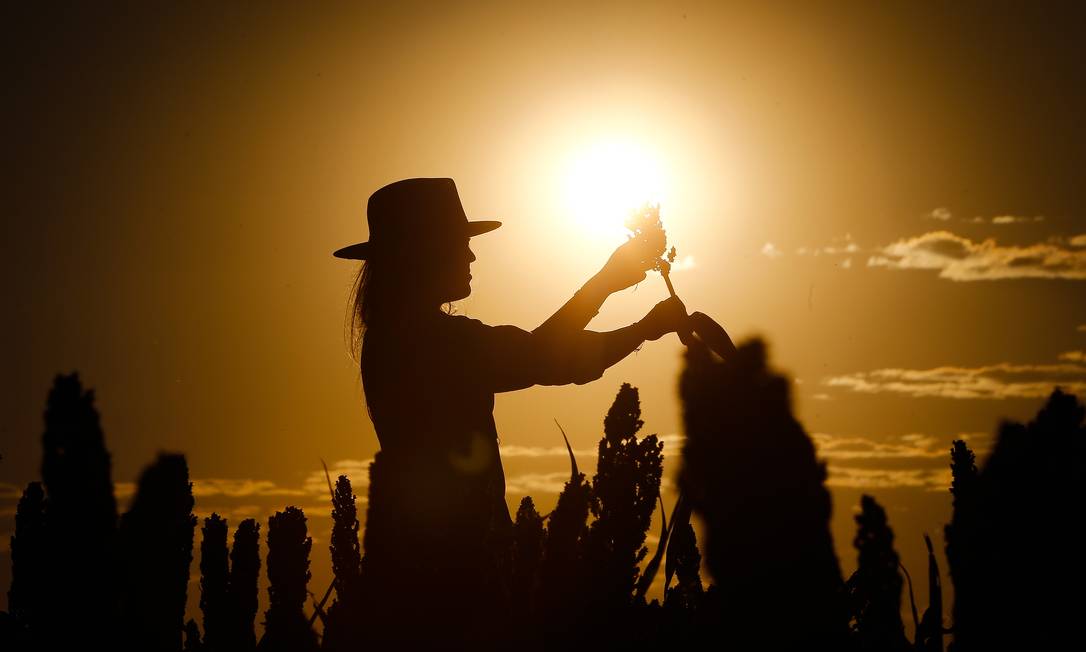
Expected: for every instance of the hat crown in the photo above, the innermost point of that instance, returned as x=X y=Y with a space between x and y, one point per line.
x=420 y=207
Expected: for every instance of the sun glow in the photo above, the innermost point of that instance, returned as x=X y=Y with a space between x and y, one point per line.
x=607 y=180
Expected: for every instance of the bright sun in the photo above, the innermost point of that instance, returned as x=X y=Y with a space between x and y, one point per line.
x=607 y=180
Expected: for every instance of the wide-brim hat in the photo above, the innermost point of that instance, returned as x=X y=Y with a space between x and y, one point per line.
x=411 y=211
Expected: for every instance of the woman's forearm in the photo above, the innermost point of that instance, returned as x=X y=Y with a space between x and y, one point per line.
x=575 y=314
x=619 y=343
x=584 y=355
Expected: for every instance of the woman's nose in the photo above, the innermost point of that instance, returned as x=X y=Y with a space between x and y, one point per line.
x=471 y=256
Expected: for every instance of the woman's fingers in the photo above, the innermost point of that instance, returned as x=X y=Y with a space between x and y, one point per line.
x=676 y=313
x=625 y=268
x=665 y=317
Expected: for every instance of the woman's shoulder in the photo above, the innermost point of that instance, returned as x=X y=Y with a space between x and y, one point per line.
x=471 y=326
x=459 y=322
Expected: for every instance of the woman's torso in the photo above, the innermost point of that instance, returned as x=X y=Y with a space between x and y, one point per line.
x=434 y=420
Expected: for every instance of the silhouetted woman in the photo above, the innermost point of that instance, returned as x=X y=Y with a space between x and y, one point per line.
x=438 y=526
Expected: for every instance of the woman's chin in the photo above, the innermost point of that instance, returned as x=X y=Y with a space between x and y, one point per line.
x=462 y=293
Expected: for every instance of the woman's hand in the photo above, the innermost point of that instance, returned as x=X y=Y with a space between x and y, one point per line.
x=626 y=266
x=668 y=316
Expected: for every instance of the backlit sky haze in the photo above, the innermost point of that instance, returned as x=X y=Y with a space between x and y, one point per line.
x=879 y=191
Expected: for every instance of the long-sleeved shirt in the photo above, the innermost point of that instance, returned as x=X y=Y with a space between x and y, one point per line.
x=437 y=516
x=430 y=384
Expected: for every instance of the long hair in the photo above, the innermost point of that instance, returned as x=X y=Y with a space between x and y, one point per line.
x=381 y=290
x=378 y=293
x=355 y=322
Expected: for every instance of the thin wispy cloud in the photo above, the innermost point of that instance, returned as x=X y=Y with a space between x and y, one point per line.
x=917 y=449
x=9 y=498
x=234 y=488
x=1015 y=219
x=313 y=487
x=914 y=460
x=536 y=483
x=671 y=442
x=239 y=498
x=837 y=448
x=960 y=259
x=839 y=246
x=551 y=482
x=943 y=214
x=236 y=513
x=10 y=491
x=357 y=471
x=542 y=451
x=856 y=478
x=1073 y=356
x=124 y=490
x=998 y=381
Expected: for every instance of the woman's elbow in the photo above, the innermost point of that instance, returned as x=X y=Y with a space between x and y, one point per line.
x=583 y=370
x=567 y=363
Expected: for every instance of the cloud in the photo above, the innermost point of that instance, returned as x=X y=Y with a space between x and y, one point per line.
x=542 y=451
x=915 y=449
x=1015 y=219
x=314 y=486
x=1079 y=240
x=357 y=471
x=10 y=491
x=928 y=479
x=839 y=246
x=1073 y=356
x=124 y=489
x=998 y=381
x=1081 y=328
x=236 y=499
x=236 y=514
x=533 y=483
x=943 y=214
x=234 y=488
x=239 y=498
x=536 y=483
x=770 y=250
x=960 y=259
x=912 y=460
x=671 y=441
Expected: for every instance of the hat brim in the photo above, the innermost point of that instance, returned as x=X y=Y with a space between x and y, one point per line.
x=362 y=250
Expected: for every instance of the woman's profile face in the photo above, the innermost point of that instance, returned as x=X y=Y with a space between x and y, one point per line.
x=453 y=273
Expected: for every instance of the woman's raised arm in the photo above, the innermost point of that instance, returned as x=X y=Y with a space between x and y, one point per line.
x=507 y=358
x=625 y=268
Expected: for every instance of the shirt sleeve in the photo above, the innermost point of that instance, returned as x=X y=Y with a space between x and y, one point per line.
x=507 y=358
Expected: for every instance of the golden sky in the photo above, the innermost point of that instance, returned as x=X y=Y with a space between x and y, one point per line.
x=891 y=196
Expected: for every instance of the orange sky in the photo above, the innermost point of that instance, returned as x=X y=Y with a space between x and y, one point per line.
x=879 y=193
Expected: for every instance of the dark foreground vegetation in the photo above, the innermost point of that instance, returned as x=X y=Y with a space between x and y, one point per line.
x=85 y=577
